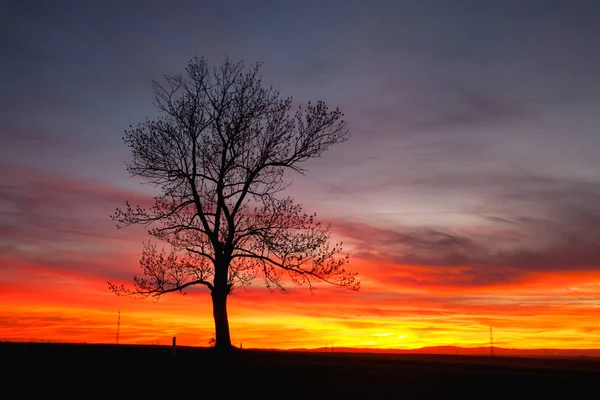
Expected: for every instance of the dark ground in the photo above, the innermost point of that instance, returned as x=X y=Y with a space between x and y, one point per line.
x=89 y=371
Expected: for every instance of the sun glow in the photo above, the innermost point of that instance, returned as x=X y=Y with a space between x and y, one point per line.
x=85 y=311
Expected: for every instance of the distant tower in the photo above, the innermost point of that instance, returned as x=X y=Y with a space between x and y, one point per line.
x=491 y=342
x=118 y=327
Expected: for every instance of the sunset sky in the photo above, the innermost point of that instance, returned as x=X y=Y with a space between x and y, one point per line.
x=468 y=195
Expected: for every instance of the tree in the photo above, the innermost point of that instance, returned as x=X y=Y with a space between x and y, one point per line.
x=218 y=152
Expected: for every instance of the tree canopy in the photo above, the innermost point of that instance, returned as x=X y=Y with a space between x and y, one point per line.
x=218 y=152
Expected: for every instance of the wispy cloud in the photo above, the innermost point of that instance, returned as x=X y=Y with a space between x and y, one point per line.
x=523 y=225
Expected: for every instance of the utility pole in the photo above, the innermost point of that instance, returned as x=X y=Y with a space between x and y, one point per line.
x=491 y=342
x=118 y=328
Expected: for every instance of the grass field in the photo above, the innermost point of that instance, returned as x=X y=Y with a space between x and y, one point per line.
x=151 y=371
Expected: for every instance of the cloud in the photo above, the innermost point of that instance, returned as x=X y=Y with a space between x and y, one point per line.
x=57 y=223
x=28 y=192
x=524 y=225
x=460 y=108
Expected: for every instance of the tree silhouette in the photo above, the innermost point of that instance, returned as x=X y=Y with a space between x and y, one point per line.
x=218 y=152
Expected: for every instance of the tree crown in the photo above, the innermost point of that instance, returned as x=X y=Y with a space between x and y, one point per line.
x=218 y=152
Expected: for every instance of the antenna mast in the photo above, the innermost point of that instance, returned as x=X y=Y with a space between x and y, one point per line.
x=491 y=342
x=118 y=327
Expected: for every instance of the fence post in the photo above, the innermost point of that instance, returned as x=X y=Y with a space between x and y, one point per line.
x=174 y=345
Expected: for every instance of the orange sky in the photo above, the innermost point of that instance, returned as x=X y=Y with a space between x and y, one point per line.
x=59 y=249
x=547 y=311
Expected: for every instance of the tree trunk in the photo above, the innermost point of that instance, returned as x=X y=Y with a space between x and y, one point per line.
x=222 y=338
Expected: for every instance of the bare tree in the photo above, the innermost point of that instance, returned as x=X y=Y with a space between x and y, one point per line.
x=218 y=152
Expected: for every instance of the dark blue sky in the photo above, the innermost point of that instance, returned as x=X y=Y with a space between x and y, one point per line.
x=478 y=120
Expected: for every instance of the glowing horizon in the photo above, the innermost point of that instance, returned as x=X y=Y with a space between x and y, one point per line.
x=67 y=306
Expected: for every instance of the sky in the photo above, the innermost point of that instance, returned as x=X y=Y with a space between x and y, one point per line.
x=468 y=194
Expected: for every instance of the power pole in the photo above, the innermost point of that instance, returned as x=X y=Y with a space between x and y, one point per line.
x=491 y=342
x=118 y=327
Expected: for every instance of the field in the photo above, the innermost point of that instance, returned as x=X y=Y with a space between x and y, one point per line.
x=151 y=371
